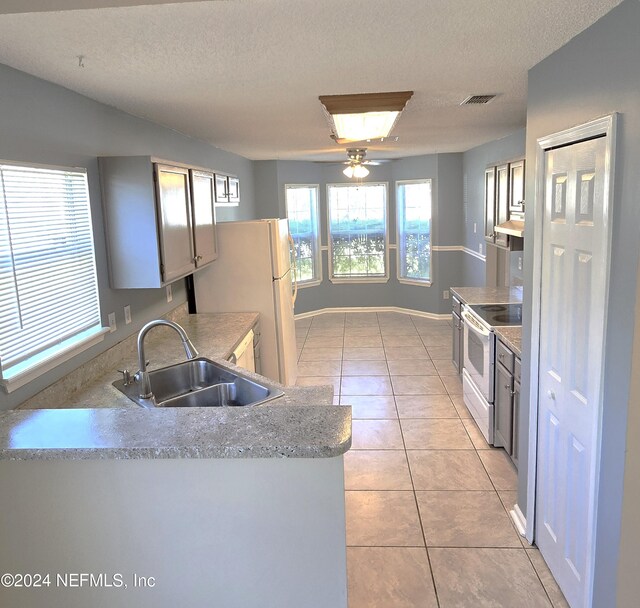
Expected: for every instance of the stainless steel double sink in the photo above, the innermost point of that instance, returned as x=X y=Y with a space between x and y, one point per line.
x=199 y=382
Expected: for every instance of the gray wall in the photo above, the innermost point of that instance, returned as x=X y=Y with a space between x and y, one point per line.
x=596 y=73
x=446 y=172
x=44 y=123
x=475 y=161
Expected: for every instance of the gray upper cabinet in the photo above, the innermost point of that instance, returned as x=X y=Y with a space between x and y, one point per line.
x=174 y=219
x=159 y=218
x=489 y=204
x=227 y=190
x=516 y=186
x=204 y=218
x=502 y=202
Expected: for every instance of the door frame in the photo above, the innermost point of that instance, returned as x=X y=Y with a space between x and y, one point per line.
x=605 y=125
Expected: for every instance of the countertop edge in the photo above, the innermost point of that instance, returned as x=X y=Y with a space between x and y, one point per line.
x=287 y=431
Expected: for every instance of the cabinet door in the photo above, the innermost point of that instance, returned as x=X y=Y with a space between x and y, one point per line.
x=174 y=221
x=204 y=217
x=502 y=202
x=489 y=204
x=222 y=189
x=503 y=409
x=516 y=186
x=456 y=350
x=516 y=422
x=233 y=187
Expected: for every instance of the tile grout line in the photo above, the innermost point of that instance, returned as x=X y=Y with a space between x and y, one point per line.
x=415 y=500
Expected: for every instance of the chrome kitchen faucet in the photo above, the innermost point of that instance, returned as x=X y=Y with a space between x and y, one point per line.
x=143 y=375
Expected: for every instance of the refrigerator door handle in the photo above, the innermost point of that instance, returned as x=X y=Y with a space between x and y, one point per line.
x=294 y=268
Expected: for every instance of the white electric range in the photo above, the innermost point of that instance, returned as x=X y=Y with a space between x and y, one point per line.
x=479 y=358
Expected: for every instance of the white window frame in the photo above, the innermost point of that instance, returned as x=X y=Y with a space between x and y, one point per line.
x=21 y=373
x=317 y=255
x=356 y=279
x=412 y=281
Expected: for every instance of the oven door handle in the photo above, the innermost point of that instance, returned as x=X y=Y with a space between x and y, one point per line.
x=474 y=325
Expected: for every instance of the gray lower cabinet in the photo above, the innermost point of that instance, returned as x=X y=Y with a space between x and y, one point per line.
x=457 y=334
x=507 y=401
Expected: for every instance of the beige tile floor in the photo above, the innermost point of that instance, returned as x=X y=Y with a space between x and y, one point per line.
x=426 y=497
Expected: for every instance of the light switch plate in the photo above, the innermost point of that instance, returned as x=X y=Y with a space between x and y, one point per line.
x=479 y=247
x=112 y=322
x=445 y=294
x=169 y=293
x=475 y=227
x=127 y=314
x=519 y=262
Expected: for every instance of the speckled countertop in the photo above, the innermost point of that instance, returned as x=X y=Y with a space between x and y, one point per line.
x=268 y=431
x=512 y=337
x=487 y=295
x=84 y=417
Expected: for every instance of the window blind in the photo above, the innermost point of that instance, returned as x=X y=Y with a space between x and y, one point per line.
x=48 y=283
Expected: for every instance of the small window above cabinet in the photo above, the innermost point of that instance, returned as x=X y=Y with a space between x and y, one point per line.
x=159 y=219
x=227 y=190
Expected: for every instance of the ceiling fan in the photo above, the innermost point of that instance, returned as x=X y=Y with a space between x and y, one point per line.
x=356 y=163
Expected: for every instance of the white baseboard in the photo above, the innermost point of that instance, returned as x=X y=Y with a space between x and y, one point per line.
x=518 y=519
x=406 y=311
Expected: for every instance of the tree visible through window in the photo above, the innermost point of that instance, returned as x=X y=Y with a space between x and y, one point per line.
x=302 y=211
x=358 y=230
x=413 y=200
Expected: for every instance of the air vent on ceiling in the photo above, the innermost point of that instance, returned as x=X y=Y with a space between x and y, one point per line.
x=477 y=99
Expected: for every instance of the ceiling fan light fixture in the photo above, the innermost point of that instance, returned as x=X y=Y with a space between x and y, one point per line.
x=363 y=116
x=360 y=171
x=356 y=170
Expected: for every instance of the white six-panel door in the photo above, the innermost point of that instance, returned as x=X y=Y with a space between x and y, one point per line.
x=575 y=245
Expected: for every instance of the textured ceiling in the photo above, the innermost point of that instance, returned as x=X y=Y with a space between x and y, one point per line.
x=245 y=75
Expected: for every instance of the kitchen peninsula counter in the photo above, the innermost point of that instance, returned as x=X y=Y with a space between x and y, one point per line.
x=218 y=506
x=83 y=417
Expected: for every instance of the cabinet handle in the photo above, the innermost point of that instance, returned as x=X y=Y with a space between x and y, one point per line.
x=508 y=387
x=551 y=394
x=501 y=356
x=513 y=393
x=197 y=258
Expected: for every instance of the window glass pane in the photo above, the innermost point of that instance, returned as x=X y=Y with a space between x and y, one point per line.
x=414 y=203
x=357 y=228
x=302 y=211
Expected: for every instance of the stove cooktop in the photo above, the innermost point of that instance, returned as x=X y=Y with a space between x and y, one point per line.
x=499 y=315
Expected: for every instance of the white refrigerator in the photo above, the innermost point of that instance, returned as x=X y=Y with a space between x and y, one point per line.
x=253 y=274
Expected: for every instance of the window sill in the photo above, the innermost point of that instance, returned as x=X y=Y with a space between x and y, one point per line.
x=355 y=280
x=20 y=375
x=416 y=282
x=313 y=283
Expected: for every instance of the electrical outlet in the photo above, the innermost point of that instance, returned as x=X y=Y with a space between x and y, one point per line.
x=475 y=227
x=127 y=314
x=519 y=262
x=445 y=294
x=112 y=322
x=479 y=247
x=169 y=293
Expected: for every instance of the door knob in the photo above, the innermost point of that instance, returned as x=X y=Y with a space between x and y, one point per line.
x=551 y=394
